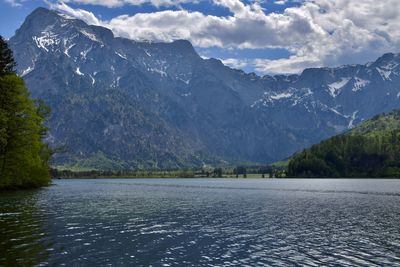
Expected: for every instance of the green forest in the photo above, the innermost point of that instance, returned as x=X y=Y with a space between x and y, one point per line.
x=23 y=155
x=369 y=150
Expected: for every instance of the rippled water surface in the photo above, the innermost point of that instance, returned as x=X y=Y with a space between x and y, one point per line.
x=203 y=222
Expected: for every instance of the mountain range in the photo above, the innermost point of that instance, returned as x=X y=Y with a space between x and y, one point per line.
x=123 y=104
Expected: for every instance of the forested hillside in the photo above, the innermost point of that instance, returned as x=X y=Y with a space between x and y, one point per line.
x=23 y=155
x=370 y=150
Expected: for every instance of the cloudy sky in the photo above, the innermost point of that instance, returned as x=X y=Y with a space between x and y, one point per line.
x=268 y=37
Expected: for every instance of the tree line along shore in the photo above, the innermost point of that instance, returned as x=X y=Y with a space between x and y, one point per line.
x=24 y=157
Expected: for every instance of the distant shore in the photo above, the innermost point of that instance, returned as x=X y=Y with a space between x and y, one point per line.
x=250 y=176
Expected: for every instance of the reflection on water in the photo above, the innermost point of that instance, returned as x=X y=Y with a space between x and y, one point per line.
x=203 y=222
x=22 y=238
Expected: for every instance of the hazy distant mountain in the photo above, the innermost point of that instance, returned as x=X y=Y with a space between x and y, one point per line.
x=119 y=103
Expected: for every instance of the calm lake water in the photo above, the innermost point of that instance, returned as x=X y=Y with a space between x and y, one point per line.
x=203 y=222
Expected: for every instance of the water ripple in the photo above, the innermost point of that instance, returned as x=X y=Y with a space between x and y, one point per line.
x=203 y=223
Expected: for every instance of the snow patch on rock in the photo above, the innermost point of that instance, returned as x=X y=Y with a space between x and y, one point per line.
x=90 y=35
x=336 y=87
x=121 y=56
x=281 y=95
x=385 y=73
x=28 y=70
x=352 y=119
x=93 y=80
x=162 y=73
x=47 y=40
x=359 y=84
x=85 y=52
x=66 y=51
x=78 y=71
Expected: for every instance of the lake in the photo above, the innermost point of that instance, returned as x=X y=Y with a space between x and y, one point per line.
x=203 y=222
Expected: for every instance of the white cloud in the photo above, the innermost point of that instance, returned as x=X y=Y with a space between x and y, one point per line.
x=119 y=3
x=285 y=65
x=82 y=14
x=280 y=2
x=316 y=33
x=14 y=3
x=236 y=63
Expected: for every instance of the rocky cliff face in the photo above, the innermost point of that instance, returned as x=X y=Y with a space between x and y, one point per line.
x=123 y=104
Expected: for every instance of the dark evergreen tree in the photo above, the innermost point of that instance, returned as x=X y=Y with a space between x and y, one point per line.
x=218 y=172
x=7 y=63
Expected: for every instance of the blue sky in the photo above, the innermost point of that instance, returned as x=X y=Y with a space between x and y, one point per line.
x=267 y=37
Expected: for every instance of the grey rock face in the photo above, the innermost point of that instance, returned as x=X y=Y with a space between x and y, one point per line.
x=121 y=104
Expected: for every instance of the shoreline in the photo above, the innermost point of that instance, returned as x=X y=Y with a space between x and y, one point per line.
x=231 y=178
